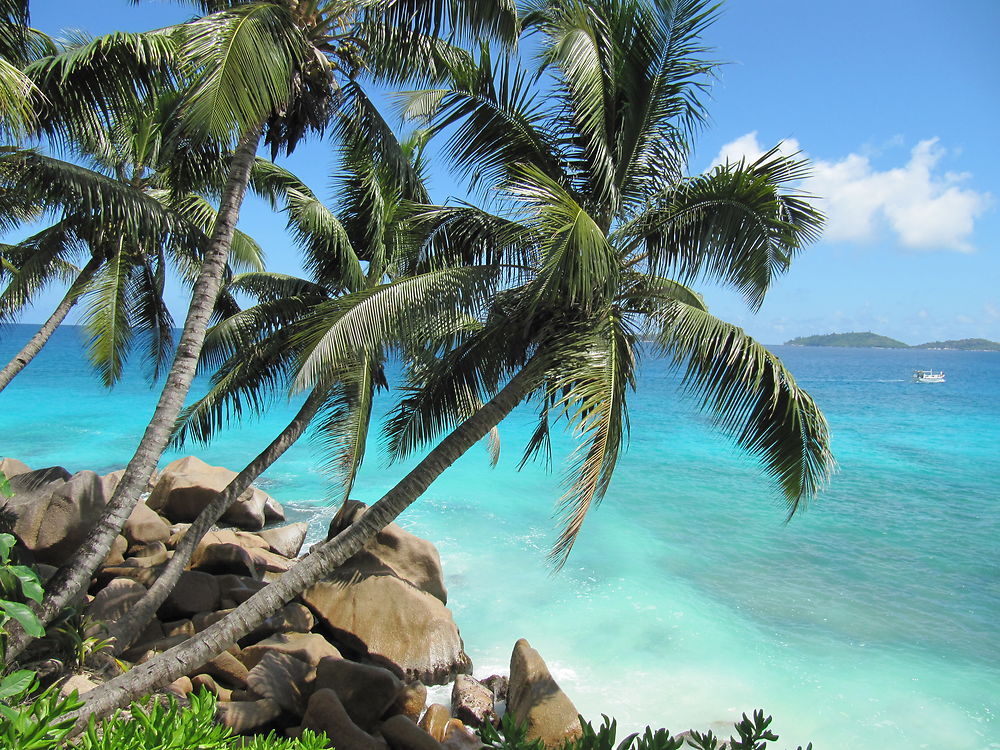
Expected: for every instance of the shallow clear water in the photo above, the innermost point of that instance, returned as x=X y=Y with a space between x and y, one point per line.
x=872 y=620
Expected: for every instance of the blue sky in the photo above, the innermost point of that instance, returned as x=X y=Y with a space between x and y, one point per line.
x=896 y=103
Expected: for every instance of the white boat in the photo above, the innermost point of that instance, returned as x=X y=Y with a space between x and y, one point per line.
x=928 y=376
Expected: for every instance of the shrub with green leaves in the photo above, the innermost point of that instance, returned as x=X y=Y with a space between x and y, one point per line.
x=166 y=726
x=753 y=734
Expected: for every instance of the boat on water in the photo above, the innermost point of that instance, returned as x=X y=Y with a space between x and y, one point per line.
x=928 y=376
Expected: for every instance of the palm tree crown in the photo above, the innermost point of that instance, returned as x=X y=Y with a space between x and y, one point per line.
x=599 y=231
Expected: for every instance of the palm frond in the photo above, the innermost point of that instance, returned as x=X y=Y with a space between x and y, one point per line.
x=341 y=431
x=752 y=396
x=107 y=318
x=740 y=224
x=243 y=60
x=587 y=386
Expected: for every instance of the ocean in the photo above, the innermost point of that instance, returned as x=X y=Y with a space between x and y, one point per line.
x=871 y=620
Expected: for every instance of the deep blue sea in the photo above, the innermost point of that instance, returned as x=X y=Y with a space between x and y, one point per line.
x=871 y=620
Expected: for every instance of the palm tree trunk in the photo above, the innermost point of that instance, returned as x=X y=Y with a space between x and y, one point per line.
x=182 y=659
x=125 y=630
x=75 y=574
x=23 y=358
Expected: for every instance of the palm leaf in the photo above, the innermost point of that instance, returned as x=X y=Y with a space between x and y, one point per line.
x=752 y=396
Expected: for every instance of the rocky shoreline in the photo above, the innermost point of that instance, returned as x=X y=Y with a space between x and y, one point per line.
x=351 y=657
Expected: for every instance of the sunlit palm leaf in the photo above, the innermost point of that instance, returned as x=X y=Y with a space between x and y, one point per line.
x=752 y=396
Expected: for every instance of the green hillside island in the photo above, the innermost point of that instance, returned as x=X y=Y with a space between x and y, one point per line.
x=867 y=340
x=969 y=345
x=871 y=340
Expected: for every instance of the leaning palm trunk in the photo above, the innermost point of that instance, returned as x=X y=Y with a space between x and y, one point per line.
x=125 y=630
x=23 y=358
x=74 y=575
x=182 y=659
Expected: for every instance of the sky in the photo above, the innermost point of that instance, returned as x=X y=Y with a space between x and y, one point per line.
x=894 y=102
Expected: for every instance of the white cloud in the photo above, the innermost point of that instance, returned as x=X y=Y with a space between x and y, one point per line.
x=925 y=208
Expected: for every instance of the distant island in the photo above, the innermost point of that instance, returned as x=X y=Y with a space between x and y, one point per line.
x=871 y=340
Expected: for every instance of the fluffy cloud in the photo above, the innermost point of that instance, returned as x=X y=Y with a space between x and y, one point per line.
x=925 y=208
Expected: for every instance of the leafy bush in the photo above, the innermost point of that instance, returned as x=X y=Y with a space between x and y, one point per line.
x=753 y=734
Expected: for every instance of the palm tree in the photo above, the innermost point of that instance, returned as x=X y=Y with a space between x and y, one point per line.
x=255 y=345
x=124 y=274
x=260 y=70
x=564 y=285
x=19 y=44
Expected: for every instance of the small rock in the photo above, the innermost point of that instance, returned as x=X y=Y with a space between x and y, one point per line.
x=227 y=669
x=309 y=647
x=144 y=526
x=245 y=717
x=366 y=692
x=285 y=540
x=497 y=684
x=535 y=700
x=325 y=713
x=403 y=734
x=11 y=467
x=180 y=687
x=435 y=720
x=78 y=682
x=472 y=702
x=195 y=592
x=457 y=736
x=411 y=701
x=206 y=682
x=116 y=555
x=115 y=599
x=283 y=678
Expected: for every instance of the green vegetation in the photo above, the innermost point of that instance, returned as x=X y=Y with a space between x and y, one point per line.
x=871 y=340
x=968 y=345
x=867 y=339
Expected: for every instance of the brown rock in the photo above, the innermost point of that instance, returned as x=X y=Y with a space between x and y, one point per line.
x=411 y=701
x=457 y=736
x=472 y=702
x=143 y=576
x=147 y=555
x=52 y=515
x=226 y=559
x=285 y=540
x=11 y=467
x=394 y=624
x=195 y=592
x=403 y=734
x=408 y=556
x=116 y=555
x=205 y=620
x=435 y=720
x=179 y=627
x=309 y=647
x=180 y=687
x=273 y=512
x=115 y=599
x=207 y=682
x=284 y=679
x=292 y=618
x=187 y=485
x=325 y=713
x=245 y=717
x=497 y=684
x=144 y=526
x=227 y=669
x=76 y=682
x=366 y=692
x=535 y=699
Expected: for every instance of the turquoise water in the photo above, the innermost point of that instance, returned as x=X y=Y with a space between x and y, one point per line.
x=872 y=620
